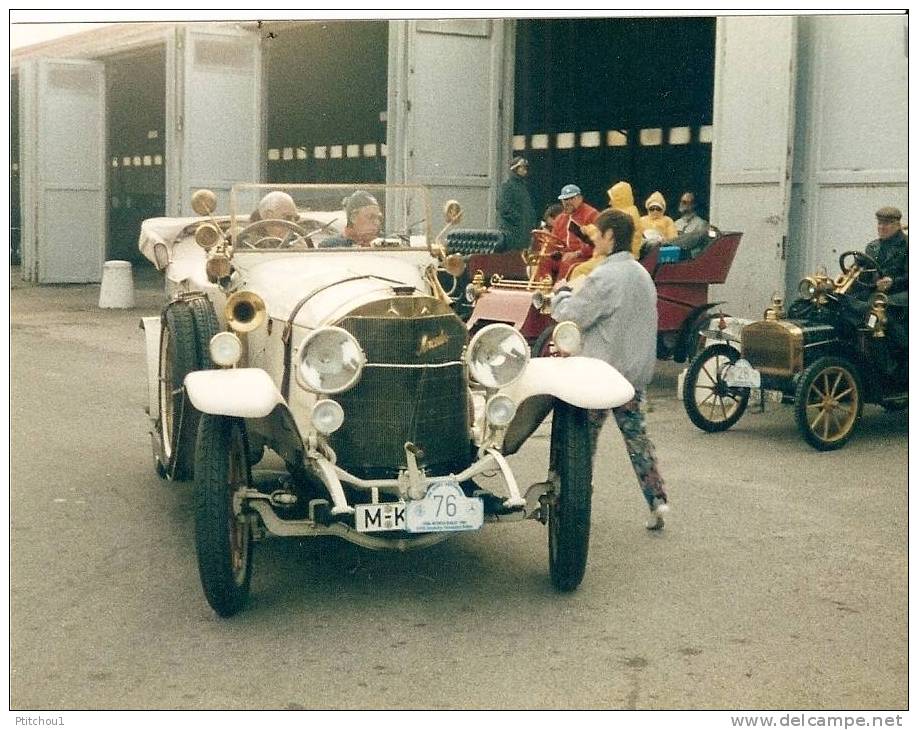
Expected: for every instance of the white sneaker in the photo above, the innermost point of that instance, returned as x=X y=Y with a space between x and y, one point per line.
x=656 y=521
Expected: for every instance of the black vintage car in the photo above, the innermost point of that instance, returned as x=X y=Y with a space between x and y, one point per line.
x=840 y=344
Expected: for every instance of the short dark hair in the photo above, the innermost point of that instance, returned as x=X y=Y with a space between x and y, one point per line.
x=622 y=227
x=553 y=211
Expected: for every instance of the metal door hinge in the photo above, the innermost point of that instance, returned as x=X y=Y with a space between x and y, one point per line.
x=180 y=123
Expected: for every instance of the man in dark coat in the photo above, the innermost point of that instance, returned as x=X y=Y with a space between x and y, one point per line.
x=890 y=251
x=516 y=216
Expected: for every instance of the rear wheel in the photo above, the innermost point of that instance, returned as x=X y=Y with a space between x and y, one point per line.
x=222 y=532
x=569 y=510
x=828 y=403
x=710 y=403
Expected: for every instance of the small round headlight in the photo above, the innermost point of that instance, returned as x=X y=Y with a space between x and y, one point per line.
x=225 y=349
x=807 y=288
x=500 y=411
x=330 y=361
x=566 y=337
x=327 y=416
x=471 y=293
x=497 y=355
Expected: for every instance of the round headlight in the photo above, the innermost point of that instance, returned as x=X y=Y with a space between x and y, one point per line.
x=497 y=355
x=538 y=300
x=566 y=337
x=225 y=349
x=500 y=411
x=807 y=288
x=327 y=416
x=330 y=361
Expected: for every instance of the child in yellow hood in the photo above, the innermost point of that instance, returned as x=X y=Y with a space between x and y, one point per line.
x=621 y=198
x=656 y=217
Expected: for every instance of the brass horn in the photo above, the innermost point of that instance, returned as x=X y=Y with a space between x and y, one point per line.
x=245 y=311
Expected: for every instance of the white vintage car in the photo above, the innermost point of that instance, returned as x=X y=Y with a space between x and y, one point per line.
x=341 y=353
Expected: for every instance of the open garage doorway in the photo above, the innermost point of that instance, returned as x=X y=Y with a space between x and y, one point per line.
x=136 y=131
x=326 y=101
x=603 y=100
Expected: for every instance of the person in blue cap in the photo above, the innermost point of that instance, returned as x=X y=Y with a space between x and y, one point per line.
x=577 y=213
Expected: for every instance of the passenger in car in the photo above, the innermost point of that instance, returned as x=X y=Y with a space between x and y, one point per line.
x=616 y=310
x=621 y=197
x=689 y=221
x=576 y=213
x=364 y=222
x=656 y=216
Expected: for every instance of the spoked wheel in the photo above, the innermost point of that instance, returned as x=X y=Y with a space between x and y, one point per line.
x=710 y=403
x=569 y=507
x=828 y=403
x=223 y=535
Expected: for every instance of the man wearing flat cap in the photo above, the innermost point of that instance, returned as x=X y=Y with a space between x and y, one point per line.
x=516 y=216
x=890 y=251
x=363 y=224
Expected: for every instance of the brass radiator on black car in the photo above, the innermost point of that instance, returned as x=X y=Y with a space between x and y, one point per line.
x=414 y=388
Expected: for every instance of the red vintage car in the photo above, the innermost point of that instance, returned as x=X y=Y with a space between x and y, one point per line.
x=501 y=291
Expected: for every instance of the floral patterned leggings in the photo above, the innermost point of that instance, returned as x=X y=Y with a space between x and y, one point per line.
x=630 y=420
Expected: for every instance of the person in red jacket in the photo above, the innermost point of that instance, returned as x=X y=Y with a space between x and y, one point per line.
x=578 y=248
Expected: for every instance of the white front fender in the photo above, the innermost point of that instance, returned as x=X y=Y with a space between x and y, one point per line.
x=584 y=382
x=240 y=392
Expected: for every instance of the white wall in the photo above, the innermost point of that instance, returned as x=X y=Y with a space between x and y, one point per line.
x=851 y=135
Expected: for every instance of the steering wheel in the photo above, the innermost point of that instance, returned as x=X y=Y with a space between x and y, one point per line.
x=868 y=266
x=295 y=234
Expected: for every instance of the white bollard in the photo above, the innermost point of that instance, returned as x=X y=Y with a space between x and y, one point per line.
x=117 y=286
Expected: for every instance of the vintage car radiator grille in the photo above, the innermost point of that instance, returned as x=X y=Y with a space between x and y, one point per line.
x=773 y=347
x=392 y=405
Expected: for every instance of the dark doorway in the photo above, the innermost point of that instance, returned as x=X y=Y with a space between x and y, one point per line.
x=136 y=104
x=603 y=100
x=15 y=207
x=326 y=101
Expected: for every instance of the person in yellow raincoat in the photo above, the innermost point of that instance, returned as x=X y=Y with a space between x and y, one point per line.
x=656 y=217
x=621 y=197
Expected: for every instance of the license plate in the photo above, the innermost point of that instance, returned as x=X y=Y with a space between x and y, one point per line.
x=445 y=509
x=743 y=375
x=379 y=517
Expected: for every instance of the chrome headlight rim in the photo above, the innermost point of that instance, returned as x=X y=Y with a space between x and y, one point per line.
x=304 y=349
x=225 y=349
x=477 y=371
x=567 y=338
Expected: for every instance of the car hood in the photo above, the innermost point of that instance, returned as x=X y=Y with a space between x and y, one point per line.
x=321 y=288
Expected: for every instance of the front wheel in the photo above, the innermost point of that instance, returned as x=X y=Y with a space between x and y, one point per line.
x=569 y=510
x=828 y=403
x=223 y=535
x=710 y=403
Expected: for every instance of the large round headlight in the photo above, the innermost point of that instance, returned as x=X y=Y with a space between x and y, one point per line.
x=497 y=355
x=566 y=337
x=330 y=361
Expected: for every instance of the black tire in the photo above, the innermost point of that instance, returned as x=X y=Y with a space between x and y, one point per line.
x=542 y=345
x=177 y=421
x=705 y=374
x=205 y=327
x=223 y=538
x=569 y=510
x=828 y=403
x=188 y=326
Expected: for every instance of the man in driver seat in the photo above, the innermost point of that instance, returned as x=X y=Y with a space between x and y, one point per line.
x=890 y=251
x=364 y=222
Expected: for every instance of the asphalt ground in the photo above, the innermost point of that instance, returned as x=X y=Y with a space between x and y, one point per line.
x=779 y=582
